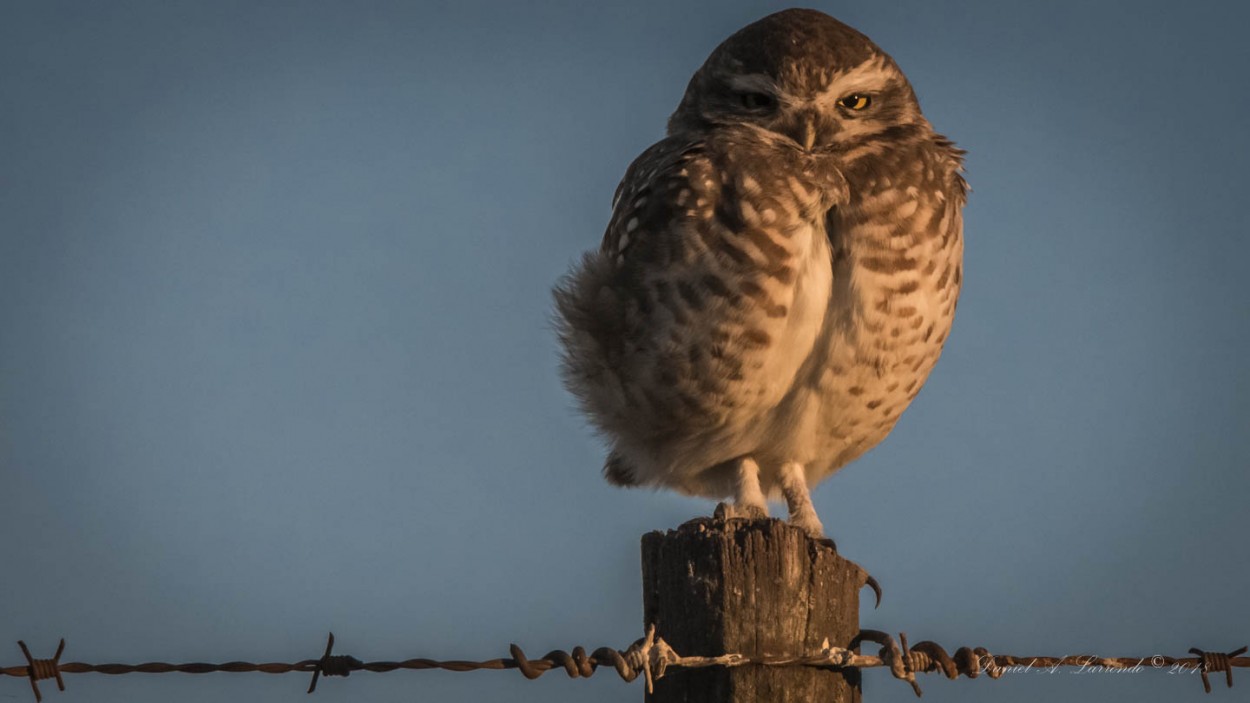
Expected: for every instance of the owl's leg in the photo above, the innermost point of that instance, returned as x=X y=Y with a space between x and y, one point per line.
x=749 y=502
x=802 y=512
x=748 y=498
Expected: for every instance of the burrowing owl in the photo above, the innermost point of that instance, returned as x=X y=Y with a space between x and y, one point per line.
x=779 y=274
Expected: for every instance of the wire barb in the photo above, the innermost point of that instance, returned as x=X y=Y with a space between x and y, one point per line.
x=331 y=665
x=1215 y=661
x=38 y=669
x=903 y=665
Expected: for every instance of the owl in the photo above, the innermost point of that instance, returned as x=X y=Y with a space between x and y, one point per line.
x=778 y=276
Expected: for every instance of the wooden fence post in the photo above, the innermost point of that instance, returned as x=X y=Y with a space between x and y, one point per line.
x=753 y=587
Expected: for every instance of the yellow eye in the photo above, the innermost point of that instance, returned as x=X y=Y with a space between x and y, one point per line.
x=855 y=102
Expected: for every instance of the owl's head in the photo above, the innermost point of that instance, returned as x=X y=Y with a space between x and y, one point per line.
x=802 y=76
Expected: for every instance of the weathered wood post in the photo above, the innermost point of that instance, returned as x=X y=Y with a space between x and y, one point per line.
x=753 y=587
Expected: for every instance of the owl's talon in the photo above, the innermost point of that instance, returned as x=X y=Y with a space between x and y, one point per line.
x=876 y=589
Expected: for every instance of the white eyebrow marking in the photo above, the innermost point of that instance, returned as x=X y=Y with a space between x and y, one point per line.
x=869 y=76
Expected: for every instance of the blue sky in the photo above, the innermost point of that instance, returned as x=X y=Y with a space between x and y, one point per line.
x=275 y=356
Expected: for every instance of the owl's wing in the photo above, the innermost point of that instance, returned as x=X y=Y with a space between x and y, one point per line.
x=665 y=277
x=692 y=284
x=607 y=306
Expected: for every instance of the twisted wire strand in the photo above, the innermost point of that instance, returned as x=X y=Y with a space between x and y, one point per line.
x=926 y=657
x=651 y=657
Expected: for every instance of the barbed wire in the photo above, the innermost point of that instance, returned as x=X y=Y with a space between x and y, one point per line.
x=652 y=657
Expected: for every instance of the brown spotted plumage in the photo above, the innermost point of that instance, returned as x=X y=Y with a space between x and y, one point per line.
x=778 y=276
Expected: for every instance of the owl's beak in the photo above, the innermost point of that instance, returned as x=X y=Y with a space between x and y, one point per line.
x=809 y=130
x=809 y=133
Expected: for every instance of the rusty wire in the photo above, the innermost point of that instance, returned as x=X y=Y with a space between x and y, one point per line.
x=651 y=657
x=928 y=657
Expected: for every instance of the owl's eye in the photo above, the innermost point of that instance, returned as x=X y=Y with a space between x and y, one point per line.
x=756 y=101
x=855 y=101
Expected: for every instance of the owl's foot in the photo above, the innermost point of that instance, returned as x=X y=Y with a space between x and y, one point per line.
x=749 y=502
x=802 y=512
x=738 y=511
